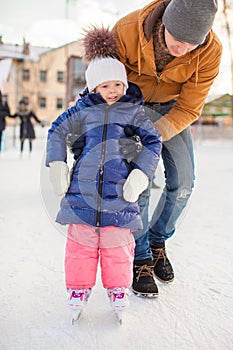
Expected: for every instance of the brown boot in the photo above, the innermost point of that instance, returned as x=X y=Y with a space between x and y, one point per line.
x=143 y=279
x=162 y=267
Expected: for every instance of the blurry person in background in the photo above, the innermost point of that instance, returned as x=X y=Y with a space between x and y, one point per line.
x=27 y=130
x=4 y=112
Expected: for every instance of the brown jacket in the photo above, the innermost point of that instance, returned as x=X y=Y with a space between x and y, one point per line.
x=186 y=79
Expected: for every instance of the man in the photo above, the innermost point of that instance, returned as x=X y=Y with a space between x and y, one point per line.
x=172 y=54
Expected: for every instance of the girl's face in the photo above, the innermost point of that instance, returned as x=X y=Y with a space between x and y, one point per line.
x=111 y=91
x=175 y=47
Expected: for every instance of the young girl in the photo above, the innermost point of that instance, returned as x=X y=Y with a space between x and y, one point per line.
x=100 y=203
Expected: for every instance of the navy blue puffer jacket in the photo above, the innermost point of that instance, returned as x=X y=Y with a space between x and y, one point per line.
x=95 y=195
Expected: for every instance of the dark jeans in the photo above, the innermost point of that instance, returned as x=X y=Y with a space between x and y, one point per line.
x=178 y=160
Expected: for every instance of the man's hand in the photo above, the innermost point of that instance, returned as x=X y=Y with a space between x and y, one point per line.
x=76 y=144
x=130 y=146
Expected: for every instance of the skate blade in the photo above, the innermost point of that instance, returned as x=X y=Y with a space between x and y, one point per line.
x=119 y=314
x=75 y=316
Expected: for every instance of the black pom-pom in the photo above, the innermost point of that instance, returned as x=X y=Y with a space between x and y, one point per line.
x=99 y=43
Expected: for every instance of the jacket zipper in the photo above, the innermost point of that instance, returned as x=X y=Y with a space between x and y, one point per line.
x=158 y=78
x=100 y=185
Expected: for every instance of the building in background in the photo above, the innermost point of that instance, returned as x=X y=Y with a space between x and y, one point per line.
x=51 y=79
x=48 y=79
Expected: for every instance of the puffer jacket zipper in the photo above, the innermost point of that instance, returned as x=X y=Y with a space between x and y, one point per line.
x=101 y=176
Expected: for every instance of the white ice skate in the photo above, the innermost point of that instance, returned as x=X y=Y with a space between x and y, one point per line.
x=118 y=300
x=77 y=300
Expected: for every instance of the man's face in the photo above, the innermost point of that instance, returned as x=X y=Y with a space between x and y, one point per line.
x=175 y=47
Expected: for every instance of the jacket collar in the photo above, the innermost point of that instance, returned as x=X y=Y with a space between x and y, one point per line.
x=133 y=95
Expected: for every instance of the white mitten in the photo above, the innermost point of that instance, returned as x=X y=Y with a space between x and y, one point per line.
x=135 y=184
x=59 y=177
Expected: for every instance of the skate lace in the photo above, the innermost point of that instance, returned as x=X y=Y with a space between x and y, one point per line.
x=144 y=271
x=159 y=253
x=81 y=294
x=117 y=292
x=77 y=294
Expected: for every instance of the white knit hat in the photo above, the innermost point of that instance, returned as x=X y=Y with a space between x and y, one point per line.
x=101 y=55
x=105 y=69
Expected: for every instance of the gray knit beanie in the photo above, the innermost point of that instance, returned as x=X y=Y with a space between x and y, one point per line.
x=190 y=20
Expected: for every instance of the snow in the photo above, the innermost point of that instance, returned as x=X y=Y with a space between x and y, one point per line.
x=194 y=312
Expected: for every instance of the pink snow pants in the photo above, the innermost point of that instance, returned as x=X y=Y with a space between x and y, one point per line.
x=85 y=244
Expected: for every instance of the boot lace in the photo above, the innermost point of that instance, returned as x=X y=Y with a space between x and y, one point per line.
x=144 y=271
x=159 y=253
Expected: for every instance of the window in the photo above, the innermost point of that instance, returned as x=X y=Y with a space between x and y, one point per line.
x=42 y=102
x=79 y=72
x=43 y=76
x=26 y=75
x=75 y=77
x=60 y=77
x=4 y=99
x=59 y=103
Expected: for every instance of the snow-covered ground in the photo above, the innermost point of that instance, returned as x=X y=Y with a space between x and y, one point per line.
x=195 y=312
